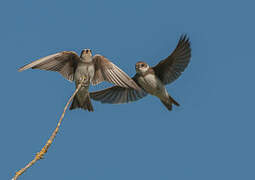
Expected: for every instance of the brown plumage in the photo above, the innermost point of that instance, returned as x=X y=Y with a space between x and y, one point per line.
x=94 y=69
x=151 y=79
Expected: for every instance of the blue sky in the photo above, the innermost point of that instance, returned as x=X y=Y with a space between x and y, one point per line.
x=210 y=136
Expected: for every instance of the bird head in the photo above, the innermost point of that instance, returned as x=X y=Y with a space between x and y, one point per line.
x=86 y=54
x=141 y=67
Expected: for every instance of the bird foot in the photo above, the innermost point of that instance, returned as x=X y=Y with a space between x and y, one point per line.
x=83 y=78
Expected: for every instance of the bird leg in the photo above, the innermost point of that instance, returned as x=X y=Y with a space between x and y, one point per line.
x=82 y=80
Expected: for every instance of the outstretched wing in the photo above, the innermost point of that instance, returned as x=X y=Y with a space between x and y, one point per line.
x=169 y=69
x=105 y=70
x=63 y=62
x=118 y=95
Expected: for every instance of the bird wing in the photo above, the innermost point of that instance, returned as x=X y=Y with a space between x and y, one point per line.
x=105 y=70
x=169 y=69
x=118 y=95
x=63 y=62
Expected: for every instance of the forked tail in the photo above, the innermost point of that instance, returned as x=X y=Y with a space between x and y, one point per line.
x=169 y=102
x=82 y=103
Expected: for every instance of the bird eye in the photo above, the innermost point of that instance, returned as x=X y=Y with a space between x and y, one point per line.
x=142 y=65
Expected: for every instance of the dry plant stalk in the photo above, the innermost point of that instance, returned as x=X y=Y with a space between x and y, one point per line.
x=45 y=148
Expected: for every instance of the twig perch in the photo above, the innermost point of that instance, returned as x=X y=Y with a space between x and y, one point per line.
x=45 y=148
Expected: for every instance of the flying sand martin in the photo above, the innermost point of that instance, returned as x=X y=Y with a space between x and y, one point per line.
x=84 y=68
x=151 y=79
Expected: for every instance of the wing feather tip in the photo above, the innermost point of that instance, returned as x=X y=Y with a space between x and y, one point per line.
x=22 y=69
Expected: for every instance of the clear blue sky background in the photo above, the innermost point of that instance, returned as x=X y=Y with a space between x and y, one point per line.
x=210 y=136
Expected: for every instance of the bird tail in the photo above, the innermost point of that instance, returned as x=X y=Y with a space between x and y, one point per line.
x=168 y=103
x=86 y=105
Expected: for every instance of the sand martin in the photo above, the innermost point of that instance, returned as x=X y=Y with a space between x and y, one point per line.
x=152 y=80
x=92 y=69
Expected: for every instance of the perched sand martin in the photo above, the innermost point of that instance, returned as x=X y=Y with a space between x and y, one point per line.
x=151 y=79
x=87 y=68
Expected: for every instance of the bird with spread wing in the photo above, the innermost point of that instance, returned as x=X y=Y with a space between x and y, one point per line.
x=85 y=69
x=152 y=80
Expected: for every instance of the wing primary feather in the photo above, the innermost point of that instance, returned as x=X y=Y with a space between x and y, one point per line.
x=172 y=67
x=62 y=62
x=114 y=78
x=115 y=95
x=118 y=79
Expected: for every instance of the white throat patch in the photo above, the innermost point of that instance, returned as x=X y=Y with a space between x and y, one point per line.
x=86 y=58
x=144 y=69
